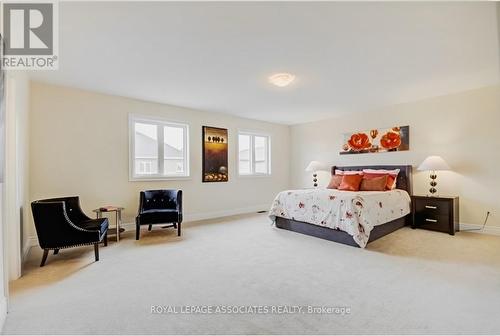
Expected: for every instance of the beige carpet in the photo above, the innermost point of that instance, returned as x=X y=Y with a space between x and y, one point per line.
x=412 y=281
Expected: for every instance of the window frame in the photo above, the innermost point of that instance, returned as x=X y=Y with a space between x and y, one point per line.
x=160 y=123
x=252 y=135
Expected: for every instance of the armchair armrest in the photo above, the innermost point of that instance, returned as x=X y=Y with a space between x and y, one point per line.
x=141 y=203
x=179 y=201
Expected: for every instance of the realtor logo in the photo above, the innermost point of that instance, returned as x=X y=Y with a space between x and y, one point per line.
x=29 y=33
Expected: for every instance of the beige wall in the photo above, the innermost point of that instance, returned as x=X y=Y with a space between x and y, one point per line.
x=462 y=128
x=79 y=146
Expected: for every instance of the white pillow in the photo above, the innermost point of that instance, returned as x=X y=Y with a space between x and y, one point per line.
x=348 y=172
x=382 y=171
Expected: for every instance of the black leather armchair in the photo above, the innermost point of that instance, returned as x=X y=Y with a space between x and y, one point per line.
x=159 y=207
x=60 y=223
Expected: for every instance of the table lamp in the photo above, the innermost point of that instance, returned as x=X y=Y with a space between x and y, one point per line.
x=433 y=163
x=315 y=166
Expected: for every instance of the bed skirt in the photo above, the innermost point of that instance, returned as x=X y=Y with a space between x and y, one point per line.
x=338 y=235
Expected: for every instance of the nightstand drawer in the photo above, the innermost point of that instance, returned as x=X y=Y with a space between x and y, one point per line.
x=432 y=222
x=433 y=207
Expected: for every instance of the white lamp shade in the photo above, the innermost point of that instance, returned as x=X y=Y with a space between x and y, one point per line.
x=315 y=166
x=434 y=163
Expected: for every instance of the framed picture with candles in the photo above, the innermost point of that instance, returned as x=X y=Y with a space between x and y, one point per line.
x=215 y=155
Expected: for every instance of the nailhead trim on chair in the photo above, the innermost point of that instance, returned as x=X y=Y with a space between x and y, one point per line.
x=73 y=225
x=69 y=246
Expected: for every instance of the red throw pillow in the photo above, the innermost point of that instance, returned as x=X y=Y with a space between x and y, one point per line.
x=334 y=182
x=350 y=182
x=391 y=179
x=374 y=184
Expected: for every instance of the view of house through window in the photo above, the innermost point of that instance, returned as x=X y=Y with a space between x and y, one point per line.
x=146 y=149
x=254 y=155
x=159 y=149
x=173 y=150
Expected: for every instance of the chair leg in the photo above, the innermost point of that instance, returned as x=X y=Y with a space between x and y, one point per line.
x=137 y=231
x=150 y=227
x=56 y=251
x=44 y=257
x=106 y=239
x=178 y=229
x=96 y=251
x=175 y=225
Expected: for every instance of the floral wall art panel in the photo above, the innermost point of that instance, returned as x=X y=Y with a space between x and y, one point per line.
x=379 y=140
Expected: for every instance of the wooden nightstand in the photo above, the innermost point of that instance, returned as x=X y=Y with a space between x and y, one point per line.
x=435 y=213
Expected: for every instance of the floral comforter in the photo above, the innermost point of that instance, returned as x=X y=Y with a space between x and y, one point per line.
x=353 y=212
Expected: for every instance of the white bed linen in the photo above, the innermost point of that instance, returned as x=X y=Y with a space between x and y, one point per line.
x=356 y=213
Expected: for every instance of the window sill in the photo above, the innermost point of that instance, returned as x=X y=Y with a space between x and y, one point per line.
x=163 y=178
x=254 y=175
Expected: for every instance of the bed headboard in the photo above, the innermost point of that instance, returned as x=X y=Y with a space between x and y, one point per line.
x=404 y=180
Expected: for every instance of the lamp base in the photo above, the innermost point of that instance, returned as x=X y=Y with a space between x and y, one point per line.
x=315 y=180
x=433 y=184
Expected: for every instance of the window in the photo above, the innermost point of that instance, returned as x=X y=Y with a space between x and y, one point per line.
x=158 y=149
x=254 y=154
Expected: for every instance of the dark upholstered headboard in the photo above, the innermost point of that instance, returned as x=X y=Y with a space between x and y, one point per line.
x=404 y=180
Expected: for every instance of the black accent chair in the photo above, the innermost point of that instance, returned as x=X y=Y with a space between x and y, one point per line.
x=60 y=223
x=159 y=207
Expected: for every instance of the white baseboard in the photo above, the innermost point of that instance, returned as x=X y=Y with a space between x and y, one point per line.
x=3 y=311
x=491 y=230
x=33 y=241
x=224 y=213
x=27 y=245
x=212 y=214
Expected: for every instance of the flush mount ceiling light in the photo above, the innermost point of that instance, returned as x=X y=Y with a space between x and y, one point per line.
x=281 y=79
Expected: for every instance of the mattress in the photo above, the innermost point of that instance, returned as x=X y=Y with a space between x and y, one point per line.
x=355 y=213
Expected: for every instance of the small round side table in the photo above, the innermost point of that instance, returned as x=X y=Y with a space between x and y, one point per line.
x=118 y=219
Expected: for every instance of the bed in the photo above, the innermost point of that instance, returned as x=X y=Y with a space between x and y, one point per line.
x=354 y=204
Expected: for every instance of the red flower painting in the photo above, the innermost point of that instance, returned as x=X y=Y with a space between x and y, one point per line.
x=380 y=140
x=359 y=141
x=390 y=140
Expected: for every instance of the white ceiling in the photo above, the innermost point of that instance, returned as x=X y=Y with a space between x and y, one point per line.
x=348 y=57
